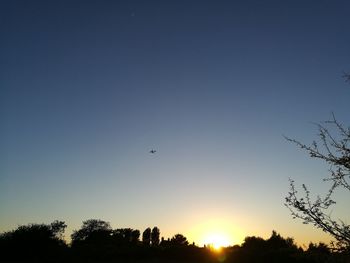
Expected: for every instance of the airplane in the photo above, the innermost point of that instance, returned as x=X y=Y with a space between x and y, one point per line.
x=152 y=151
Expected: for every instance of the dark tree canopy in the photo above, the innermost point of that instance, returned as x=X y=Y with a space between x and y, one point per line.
x=90 y=230
x=146 y=236
x=276 y=241
x=179 y=239
x=42 y=243
x=155 y=234
x=58 y=228
x=41 y=233
x=135 y=236
x=126 y=235
x=34 y=241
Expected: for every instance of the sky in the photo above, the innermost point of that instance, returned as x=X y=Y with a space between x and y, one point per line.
x=88 y=88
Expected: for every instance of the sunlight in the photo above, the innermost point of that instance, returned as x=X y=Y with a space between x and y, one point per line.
x=216 y=240
x=215 y=232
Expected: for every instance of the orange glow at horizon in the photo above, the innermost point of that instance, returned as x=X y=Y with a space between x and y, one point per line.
x=215 y=233
x=217 y=240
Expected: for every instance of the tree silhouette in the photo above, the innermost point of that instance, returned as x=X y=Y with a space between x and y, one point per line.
x=135 y=236
x=155 y=236
x=146 y=236
x=334 y=150
x=275 y=249
x=93 y=240
x=34 y=241
x=126 y=235
x=179 y=240
x=92 y=230
x=97 y=242
x=57 y=228
x=253 y=243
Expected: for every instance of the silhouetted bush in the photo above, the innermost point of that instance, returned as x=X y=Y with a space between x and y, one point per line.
x=96 y=241
x=275 y=249
x=93 y=240
x=34 y=242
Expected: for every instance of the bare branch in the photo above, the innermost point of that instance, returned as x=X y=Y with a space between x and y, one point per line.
x=335 y=151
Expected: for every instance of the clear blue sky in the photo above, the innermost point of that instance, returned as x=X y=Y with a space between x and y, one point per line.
x=89 y=87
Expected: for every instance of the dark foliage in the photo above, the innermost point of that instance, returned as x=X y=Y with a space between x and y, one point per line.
x=34 y=242
x=179 y=240
x=274 y=249
x=146 y=236
x=278 y=249
x=91 y=231
x=123 y=236
x=93 y=240
x=96 y=241
x=155 y=236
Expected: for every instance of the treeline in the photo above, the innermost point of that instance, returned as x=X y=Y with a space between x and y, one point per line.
x=96 y=241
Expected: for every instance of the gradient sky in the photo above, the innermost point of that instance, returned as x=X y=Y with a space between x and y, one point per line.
x=89 y=87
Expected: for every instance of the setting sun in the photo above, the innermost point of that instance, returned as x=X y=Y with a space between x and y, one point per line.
x=216 y=240
x=215 y=232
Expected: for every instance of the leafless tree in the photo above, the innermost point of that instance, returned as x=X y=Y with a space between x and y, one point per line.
x=333 y=148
